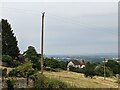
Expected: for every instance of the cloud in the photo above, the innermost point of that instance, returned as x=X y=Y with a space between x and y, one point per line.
x=70 y=28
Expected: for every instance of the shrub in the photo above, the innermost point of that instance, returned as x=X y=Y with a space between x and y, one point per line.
x=89 y=70
x=15 y=63
x=51 y=69
x=4 y=72
x=78 y=70
x=42 y=82
x=99 y=70
x=10 y=84
x=13 y=73
x=6 y=58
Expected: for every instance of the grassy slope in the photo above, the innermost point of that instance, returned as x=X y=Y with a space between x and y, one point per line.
x=78 y=80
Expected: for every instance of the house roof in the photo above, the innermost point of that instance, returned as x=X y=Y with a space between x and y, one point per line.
x=76 y=62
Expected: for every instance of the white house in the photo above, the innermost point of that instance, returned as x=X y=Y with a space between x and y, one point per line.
x=76 y=63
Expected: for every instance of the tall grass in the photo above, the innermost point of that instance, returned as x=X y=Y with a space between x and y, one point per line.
x=41 y=82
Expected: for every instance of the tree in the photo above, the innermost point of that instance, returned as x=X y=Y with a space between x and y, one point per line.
x=63 y=65
x=52 y=63
x=89 y=70
x=32 y=55
x=99 y=70
x=114 y=66
x=9 y=42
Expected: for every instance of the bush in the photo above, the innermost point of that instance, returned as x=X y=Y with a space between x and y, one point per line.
x=51 y=69
x=42 y=82
x=78 y=70
x=15 y=63
x=99 y=70
x=89 y=70
x=6 y=58
x=24 y=70
x=4 y=72
x=13 y=73
x=10 y=84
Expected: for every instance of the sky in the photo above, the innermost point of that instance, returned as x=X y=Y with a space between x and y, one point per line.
x=71 y=28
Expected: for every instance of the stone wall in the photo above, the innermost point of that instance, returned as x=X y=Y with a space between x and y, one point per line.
x=19 y=83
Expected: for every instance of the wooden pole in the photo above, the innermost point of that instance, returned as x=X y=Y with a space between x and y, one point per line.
x=42 y=38
x=104 y=70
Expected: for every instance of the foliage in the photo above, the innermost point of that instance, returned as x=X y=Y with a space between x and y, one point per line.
x=13 y=73
x=32 y=56
x=76 y=69
x=89 y=70
x=15 y=63
x=50 y=62
x=114 y=66
x=24 y=70
x=21 y=58
x=52 y=69
x=30 y=53
x=99 y=70
x=53 y=63
x=62 y=65
x=8 y=61
x=4 y=72
x=10 y=84
x=6 y=58
x=9 y=42
x=42 y=82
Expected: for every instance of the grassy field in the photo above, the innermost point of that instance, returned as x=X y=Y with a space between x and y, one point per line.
x=78 y=80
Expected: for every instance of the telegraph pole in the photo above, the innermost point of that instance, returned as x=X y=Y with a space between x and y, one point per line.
x=104 y=70
x=42 y=38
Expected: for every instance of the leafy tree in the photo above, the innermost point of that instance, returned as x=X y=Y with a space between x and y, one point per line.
x=9 y=42
x=99 y=70
x=24 y=70
x=63 y=65
x=32 y=55
x=89 y=70
x=114 y=66
x=52 y=63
